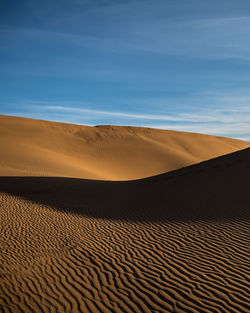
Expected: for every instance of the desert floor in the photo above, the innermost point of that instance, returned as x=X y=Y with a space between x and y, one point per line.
x=122 y=219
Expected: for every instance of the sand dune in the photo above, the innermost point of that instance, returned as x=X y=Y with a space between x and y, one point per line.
x=175 y=242
x=40 y=148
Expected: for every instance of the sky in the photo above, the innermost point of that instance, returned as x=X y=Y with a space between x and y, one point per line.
x=169 y=64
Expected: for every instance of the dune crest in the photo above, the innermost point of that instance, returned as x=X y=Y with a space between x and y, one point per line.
x=40 y=148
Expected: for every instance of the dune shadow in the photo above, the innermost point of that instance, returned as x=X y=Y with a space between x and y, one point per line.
x=217 y=189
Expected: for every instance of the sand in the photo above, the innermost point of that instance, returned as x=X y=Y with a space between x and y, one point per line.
x=40 y=148
x=175 y=242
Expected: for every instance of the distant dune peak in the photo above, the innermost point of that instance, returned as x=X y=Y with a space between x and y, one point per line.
x=106 y=152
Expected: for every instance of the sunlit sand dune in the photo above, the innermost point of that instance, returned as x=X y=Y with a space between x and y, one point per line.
x=41 y=148
x=174 y=242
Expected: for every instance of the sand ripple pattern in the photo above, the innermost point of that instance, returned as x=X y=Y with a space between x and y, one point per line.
x=62 y=263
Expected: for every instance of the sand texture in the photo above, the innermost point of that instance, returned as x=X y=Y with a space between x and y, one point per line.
x=174 y=242
x=41 y=148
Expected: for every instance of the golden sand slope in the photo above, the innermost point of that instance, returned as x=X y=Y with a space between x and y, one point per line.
x=177 y=242
x=41 y=148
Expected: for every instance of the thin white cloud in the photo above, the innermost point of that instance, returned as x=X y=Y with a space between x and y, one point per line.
x=235 y=130
x=220 y=115
x=114 y=114
x=223 y=37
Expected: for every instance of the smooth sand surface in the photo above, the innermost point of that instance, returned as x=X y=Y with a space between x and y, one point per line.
x=41 y=148
x=174 y=242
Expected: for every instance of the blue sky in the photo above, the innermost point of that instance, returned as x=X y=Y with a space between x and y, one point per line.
x=172 y=64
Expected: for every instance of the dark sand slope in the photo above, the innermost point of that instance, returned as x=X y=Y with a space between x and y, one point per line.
x=40 y=148
x=176 y=242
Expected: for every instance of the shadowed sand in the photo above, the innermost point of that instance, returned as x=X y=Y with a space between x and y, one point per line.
x=208 y=190
x=174 y=242
x=40 y=148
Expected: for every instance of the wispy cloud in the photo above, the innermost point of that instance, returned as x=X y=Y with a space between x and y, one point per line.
x=219 y=115
x=206 y=37
x=114 y=114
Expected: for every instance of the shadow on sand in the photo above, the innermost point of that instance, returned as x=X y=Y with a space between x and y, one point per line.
x=217 y=189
